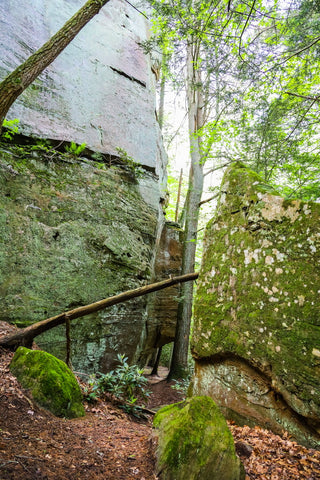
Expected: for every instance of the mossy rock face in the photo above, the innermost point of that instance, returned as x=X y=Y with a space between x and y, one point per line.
x=74 y=231
x=257 y=310
x=51 y=383
x=194 y=443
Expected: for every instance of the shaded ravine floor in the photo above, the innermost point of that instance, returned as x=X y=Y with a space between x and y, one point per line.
x=107 y=444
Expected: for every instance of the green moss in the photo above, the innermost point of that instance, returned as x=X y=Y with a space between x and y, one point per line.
x=50 y=381
x=195 y=442
x=257 y=295
x=72 y=234
x=243 y=186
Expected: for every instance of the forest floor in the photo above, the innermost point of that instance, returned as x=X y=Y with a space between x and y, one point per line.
x=108 y=444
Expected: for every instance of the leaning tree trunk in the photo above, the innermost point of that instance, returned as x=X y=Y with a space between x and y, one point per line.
x=17 y=81
x=25 y=336
x=179 y=363
x=162 y=96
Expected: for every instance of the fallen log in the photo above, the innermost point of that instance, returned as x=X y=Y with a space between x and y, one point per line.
x=24 y=336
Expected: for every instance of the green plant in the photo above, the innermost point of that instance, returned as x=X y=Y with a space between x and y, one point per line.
x=75 y=149
x=97 y=156
x=133 y=166
x=182 y=385
x=132 y=408
x=166 y=353
x=43 y=145
x=124 y=384
x=11 y=128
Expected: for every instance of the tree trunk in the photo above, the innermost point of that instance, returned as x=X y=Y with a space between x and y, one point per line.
x=162 y=96
x=17 y=81
x=26 y=335
x=156 y=363
x=176 y=216
x=179 y=363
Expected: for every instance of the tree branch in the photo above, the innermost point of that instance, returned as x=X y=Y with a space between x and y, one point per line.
x=139 y=11
x=316 y=40
x=217 y=168
x=305 y=97
x=245 y=26
x=209 y=199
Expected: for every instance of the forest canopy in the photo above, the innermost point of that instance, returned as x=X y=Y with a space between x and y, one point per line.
x=259 y=64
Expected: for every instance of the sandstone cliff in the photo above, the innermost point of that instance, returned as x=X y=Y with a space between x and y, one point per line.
x=76 y=230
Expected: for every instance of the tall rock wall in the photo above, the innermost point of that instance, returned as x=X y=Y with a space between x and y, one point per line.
x=256 y=336
x=100 y=89
x=76 y=230
x=163 y=309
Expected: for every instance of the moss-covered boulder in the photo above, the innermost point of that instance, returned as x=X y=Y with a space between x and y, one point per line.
x=51 y=383
x=194 y=443
x=257 y=313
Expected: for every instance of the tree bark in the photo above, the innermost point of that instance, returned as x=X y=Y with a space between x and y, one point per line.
x=161 y=99
x=179 y=363
x=26 y=335
x=178 y=196
x=156 y=363
x=17 y=81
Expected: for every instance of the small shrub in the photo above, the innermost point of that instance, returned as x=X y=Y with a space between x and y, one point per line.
x=11 y=128
x=98 y=157
x=42 y=145
x=133 y=166
x=124 y=385
x=182 y=385
x=75 y=149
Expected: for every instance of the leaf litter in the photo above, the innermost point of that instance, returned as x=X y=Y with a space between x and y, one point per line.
x=109 y=444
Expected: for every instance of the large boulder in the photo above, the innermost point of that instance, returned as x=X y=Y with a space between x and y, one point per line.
x=194 y=443
x=50 y=382
x=256 y=337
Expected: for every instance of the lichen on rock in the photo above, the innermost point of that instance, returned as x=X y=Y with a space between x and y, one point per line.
x=50 y=382
x=257 y=307
x=194 y=443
